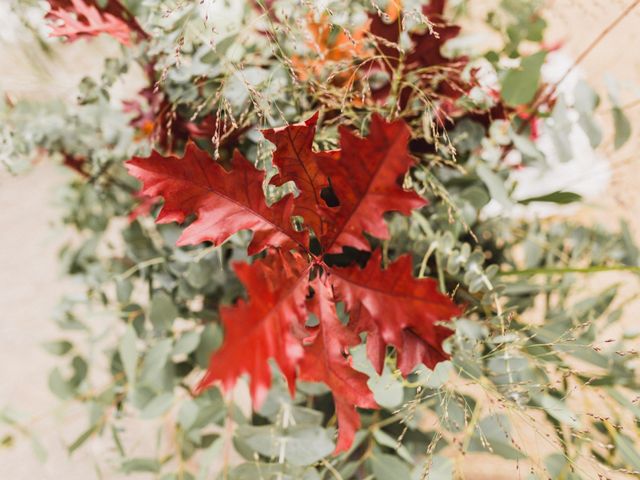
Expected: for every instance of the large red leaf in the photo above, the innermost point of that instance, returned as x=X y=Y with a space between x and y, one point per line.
x=224 y=201
x=394 y=308
x=297 y=162
x=390 y=306
x=326 y=360
x=366 y=179
x=264 y=327
x=75 y=19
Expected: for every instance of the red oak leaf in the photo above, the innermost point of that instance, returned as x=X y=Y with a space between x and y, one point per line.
x=424 y=55
x=225 y=202
x=427 y=49
x=366 y=182
x=263 y=328
x=426 y=45
x=390 y=306
x=395 y=308
x=297 y=162
x=75 y=19
x=325 y=361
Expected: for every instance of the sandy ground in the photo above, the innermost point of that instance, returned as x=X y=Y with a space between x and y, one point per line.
x=30 y=285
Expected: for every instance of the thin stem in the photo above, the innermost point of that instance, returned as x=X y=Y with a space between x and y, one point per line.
x=141 y=266
x=330 y=468
x=584 y=54
x=567 y=270
x=441 y=281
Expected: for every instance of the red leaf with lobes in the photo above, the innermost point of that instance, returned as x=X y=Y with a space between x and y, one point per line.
x=224 y=202
x=424 y=55
x=394 y=308
x=390 y=306
x=366 y=182
x=324 y=361
x=85 y=18
x=263 y=327
x=296 y=161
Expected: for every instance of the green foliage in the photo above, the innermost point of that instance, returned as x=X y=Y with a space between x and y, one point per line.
x=519 y=85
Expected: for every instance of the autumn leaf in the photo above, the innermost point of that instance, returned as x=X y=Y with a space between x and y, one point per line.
x=75 y=19
x=366 y=180
x=224 y=202
x=394 y=308
x=365 y=176
x=330 y=44
x=427 y=46
x=435 y=8
x=424 y=56
x=263 y=327
x=326 y=359
x=391 y=307
x=393 y=10
x=297 y=162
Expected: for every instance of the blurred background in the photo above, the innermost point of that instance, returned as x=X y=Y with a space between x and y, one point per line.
x=30 y=282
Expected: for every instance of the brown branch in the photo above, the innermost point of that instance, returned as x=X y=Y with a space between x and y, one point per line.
x=584 y=54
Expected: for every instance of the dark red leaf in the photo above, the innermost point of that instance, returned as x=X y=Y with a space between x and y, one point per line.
x=367 y=181
x=225 y=202
x=326 y=359
x=424 y=55
x=394 y=308
x=390 y=306
x=297 y=162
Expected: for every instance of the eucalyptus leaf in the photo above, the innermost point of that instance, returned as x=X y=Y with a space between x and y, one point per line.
x=84 y=436
x=558 y=409
x=302 y=445
x=385 y=440
x=389 y=467
x=493 y=434
x=134 y=465
x=129 y=354
x=495 y=185
x=156 y=359
x=519 y=85
x=188 y=414
x=586 y=102
x=559 y=197
x=158 y=406
x=59 y=347
x=627 y=449
x=622 y=127
x=187 y=343
x=59 y=386
x=163 y=311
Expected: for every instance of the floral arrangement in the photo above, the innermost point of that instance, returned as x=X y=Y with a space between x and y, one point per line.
x=316 y=244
